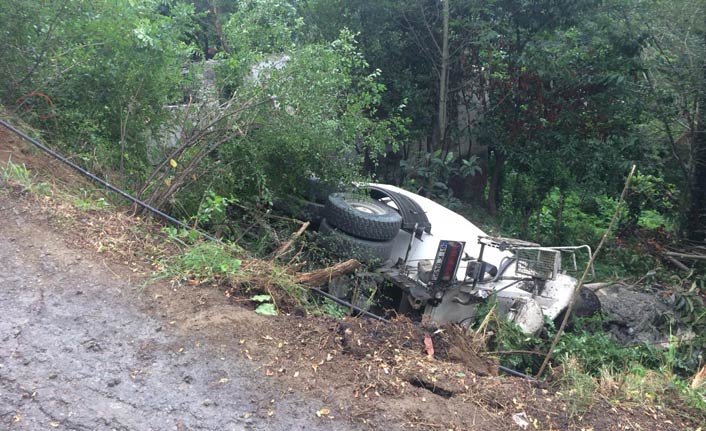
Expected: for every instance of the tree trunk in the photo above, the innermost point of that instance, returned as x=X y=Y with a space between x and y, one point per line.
x=524 y=223
x=694 y=226
x=217 y=24
x=443 y=76
x=472 y=187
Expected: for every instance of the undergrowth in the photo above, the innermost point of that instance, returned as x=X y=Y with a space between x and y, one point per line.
x=588 y=365
x=203 y=263
x=19 y=175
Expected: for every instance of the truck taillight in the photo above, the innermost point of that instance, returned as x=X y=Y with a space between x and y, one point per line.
x=448 y=257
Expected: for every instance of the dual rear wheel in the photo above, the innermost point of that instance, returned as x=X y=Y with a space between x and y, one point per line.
x=359 y=227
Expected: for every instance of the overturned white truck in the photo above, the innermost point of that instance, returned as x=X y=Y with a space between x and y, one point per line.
x=444 y=265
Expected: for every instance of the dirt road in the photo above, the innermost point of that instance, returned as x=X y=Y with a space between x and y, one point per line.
x=83 y=350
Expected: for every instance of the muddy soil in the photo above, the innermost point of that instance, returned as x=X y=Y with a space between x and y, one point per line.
x=81 y=350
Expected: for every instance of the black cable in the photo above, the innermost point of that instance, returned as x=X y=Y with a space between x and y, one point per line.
x=156 y=211
x=512 y=372
x=348 y=304
x=103 y=182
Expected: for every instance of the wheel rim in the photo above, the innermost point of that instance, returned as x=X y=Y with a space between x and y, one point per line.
x=367 y=208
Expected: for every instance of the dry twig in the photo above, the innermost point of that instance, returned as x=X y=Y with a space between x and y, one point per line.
x=284 y=247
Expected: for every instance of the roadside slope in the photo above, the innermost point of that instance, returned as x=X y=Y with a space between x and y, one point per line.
x=90 y=344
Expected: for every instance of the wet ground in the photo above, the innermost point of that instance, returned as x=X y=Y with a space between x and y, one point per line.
x=82 y=351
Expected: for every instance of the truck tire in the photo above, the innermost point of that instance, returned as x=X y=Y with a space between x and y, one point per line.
x=362 y=217
x=347 y=246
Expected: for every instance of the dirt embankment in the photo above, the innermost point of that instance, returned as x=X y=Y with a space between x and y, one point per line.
x=89 y=343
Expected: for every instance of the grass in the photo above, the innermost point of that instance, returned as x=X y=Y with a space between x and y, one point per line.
x=576 y=386
x=203 y=263
x=21 y=176
x=631 y=383
x=87 y=201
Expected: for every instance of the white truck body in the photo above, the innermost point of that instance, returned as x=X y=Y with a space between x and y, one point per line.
x=518 y=295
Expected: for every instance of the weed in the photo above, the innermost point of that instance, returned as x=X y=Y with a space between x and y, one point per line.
x=266 y=307
x=182 y=236
x=595 y=350
x=578 y=387
x=20 y=175
x=17 y=173
x=328 y=307
x=206 y=262
x=633 y=382
x=87 y=202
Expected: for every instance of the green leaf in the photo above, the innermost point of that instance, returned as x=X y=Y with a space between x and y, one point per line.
x=267 y=309
x=261 y=298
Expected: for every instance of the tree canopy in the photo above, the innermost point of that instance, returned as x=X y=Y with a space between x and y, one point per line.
x=519 y=106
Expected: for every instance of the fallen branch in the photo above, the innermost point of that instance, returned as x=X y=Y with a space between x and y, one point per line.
x=513 y=352
x=676 y=263
x=323 y=276
x=280 y=251
x=685 y=256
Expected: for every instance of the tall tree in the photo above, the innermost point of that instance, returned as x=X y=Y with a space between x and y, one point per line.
x=695 y=217
x=675 y=84
x=444 y=73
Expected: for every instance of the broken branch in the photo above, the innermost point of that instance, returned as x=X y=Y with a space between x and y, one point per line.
x=676 y=263
x=322 y=276
x=685 y=256
x=280 y=251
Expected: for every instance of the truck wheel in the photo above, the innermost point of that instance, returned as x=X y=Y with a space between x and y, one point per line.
x=362 y=217
x=346 y=246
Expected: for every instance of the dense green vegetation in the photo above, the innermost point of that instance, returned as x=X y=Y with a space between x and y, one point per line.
x=533 y=110
x=526 y=114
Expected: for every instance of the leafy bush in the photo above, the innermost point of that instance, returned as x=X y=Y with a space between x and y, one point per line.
x=429 y=175
x=94 y=74
x=595 y=351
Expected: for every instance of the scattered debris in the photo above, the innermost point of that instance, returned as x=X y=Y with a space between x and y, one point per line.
x=521 y=420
